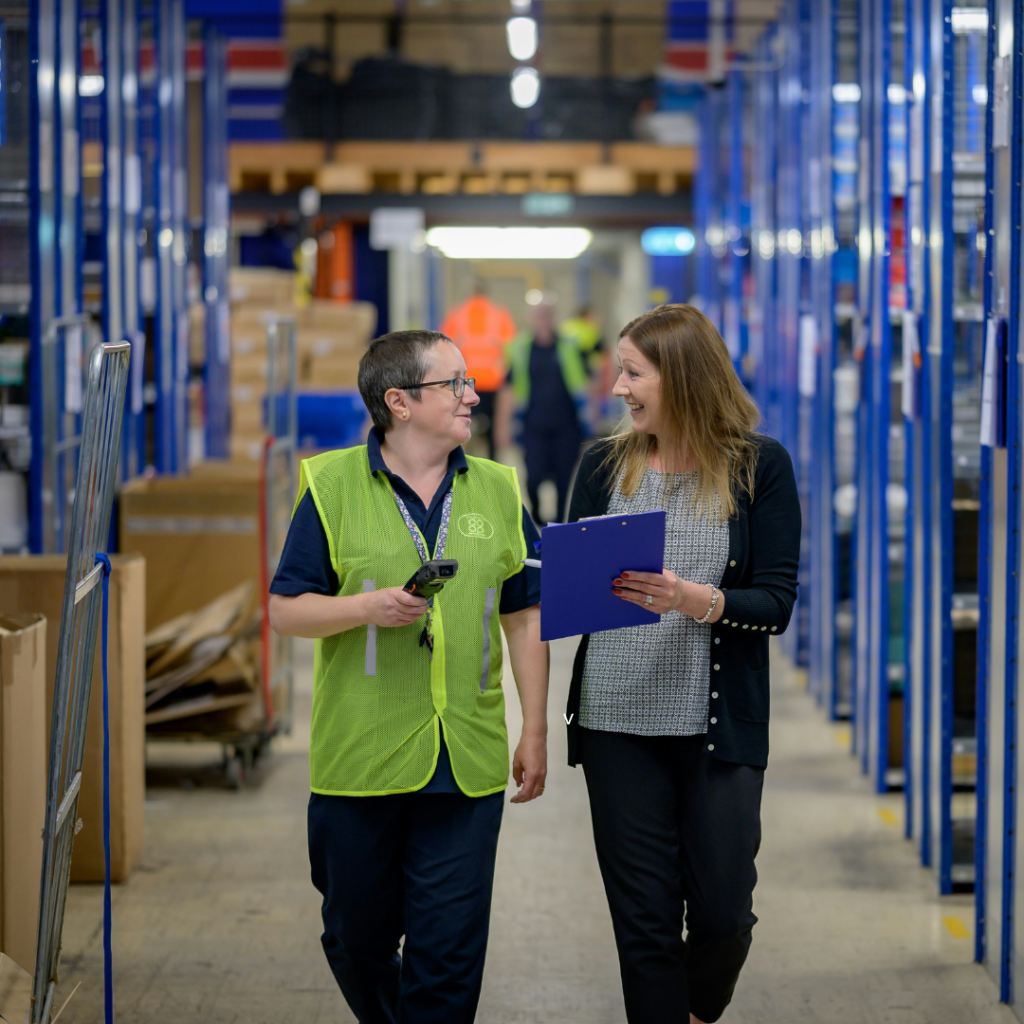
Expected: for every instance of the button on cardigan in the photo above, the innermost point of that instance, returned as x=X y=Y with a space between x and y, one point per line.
x=760 y=587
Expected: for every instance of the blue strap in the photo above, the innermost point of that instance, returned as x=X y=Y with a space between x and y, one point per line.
x=108 y=961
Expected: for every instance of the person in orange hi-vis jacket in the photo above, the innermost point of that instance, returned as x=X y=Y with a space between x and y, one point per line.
x=481 y=329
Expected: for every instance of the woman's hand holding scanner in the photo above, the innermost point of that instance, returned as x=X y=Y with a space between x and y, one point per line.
x=317 y=615
x=394 y=607
x=668 y=593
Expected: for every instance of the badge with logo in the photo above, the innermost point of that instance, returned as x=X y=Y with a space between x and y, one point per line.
x=473 y=525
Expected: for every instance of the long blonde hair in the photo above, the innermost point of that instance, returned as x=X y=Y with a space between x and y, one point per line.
x=706 y=414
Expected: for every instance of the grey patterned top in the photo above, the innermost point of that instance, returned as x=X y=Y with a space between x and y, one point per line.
x=652 y=680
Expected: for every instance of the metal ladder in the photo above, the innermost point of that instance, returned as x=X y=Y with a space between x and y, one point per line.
x=106 y=382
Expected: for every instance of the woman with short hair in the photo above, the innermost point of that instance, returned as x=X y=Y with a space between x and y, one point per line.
x=670 y=719
x=409 y=756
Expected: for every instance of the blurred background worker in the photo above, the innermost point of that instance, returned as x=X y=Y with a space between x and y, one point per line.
x=481 y=329
x=547 y=384
x=584 y=331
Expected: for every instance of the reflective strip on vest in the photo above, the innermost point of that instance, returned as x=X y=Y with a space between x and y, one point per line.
x=370 y=666
x=488 y=612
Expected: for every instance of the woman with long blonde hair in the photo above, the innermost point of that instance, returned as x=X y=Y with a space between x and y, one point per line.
x=670 y=720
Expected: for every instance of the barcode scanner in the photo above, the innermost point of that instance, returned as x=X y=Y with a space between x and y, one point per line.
x=431 y=576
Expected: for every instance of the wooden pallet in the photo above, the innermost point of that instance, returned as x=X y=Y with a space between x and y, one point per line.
x=447 y=168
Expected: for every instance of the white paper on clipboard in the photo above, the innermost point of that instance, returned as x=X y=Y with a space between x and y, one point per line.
x=988 y=386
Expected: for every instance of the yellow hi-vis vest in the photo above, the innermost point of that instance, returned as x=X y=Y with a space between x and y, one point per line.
x=378 y=698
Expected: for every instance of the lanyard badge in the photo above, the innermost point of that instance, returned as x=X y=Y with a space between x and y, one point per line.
x=427 y=636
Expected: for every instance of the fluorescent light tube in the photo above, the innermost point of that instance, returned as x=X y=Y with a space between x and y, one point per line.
x=473 y=243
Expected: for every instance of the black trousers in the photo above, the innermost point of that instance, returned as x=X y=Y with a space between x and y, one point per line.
x=418 y=865
x=550 y=454
x=676 y=832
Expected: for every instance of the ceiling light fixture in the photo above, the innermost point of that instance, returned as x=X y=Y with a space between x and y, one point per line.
x=525 y=87
x=846 y=92
x=90 y=85
x=965 y=20
x=521 y=34
x=472 y=243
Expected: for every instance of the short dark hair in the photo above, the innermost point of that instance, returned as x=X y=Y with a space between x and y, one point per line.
x=393 y=360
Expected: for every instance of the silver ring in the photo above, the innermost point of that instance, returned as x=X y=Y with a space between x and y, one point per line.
x=649 y=599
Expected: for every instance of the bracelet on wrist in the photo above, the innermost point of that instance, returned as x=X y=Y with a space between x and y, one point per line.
x=711 y=607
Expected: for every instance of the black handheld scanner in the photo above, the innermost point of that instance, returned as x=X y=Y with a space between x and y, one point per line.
x=431 y=576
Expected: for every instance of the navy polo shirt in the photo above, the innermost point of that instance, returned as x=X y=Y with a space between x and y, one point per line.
x=305 y=566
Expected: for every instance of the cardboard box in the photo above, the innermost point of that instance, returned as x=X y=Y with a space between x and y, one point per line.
x=330 y=374
x=199 y=535
x=246 y=448
x=247 y=392
x=324 y=343
x=15 y=992
x=262 y=284
x=356 y=318
x=222 y=469
x=35 y=583
x=250 y=369
x=249 y=326
x=247 y=417
x=23 y=766
x=329 y=359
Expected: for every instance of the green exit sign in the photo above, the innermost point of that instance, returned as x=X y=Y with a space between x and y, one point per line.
x=548 y=204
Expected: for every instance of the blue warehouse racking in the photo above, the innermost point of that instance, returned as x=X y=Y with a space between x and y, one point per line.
x=883 y=319
x=866 y=312
x=109 y=238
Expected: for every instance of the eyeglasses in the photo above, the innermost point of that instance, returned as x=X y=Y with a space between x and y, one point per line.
x=457 y=384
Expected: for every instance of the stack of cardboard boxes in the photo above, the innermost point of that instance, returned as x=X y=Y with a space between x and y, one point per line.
x=330 y=338
x=31 y=601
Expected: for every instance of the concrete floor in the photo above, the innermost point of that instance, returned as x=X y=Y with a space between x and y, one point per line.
x=221 y=923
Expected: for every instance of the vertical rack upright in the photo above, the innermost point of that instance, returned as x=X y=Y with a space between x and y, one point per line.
x=57 y=325
x=916 y=402
x=215 y=244
x=819 y=364
x=998 y=854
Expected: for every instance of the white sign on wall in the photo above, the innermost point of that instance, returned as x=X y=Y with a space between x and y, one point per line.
x=395 y=227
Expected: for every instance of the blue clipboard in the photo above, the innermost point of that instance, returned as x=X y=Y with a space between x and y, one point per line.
x=579 y=563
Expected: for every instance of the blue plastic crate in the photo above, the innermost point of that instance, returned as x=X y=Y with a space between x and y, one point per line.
x=327 y=419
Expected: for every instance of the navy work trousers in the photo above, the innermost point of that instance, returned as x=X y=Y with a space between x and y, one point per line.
x=676 y=832
x=551 y=454
x=415 y=864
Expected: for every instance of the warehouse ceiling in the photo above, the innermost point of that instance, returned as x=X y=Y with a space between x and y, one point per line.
x=579 y=38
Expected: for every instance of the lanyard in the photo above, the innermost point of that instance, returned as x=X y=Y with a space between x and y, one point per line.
x=427 y=636
x=442 y=533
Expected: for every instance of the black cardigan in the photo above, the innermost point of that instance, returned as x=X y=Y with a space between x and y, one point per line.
x=759 y=584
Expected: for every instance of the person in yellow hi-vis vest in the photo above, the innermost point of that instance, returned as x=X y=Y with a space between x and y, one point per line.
x=409 y=755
